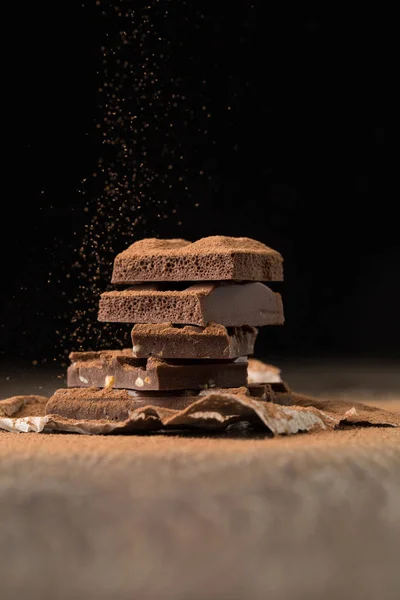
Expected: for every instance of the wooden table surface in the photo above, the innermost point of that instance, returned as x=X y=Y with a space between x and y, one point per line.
x=149 y=517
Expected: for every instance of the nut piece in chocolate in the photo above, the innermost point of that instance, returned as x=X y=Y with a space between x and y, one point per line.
x=152 y=373
x=215 y=258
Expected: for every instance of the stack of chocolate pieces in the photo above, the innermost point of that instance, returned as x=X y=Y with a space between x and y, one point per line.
x=195 y=309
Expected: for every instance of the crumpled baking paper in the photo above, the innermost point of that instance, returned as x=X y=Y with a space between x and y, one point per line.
x=350 y=413
x=215 y=411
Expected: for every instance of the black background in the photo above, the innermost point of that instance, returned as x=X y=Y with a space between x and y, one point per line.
x=297 y=161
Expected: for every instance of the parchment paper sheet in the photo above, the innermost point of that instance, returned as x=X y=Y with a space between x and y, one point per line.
x=213 y=412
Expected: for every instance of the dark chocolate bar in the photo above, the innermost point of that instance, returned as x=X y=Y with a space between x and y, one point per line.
x=216 y=342
x=116 y=369
x=216 y=258
x=114 y=404
x=231 y=305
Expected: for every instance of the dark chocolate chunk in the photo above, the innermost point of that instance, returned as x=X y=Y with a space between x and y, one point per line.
x=216 y=258
x=280 y=387
x=190 y=342
x=281 y=393
x=114 y=404
x=116 y=369
x=232 y=305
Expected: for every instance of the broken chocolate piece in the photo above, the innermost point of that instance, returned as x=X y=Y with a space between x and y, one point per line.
x=116 y=369
x=215 y=258
x=232 y=305
x=260 y=372
x=281 y=393
x=22 y=406
x=113 y=404
x=212 y=342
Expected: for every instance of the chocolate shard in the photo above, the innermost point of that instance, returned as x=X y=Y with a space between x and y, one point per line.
x=165 y=340
x=116 y=405
x=21 y=406
x=215 y=258
x=231 y=305
x=260 y=372
x=116 y=369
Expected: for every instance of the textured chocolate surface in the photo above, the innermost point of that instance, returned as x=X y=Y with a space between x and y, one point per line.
x=165 y=340
x=22 y=405
x=117 y=369
x=214 y=258
x=231 y=305
x=114 y=404
x=95 y=354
